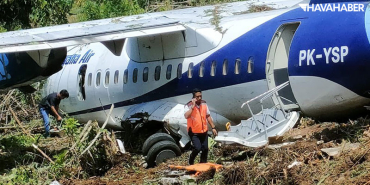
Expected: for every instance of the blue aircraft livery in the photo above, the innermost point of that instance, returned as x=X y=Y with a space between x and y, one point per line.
x=4 y=75
x=73 y=59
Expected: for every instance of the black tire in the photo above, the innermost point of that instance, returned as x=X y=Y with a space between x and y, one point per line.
x=157 y=148
x=153 y=139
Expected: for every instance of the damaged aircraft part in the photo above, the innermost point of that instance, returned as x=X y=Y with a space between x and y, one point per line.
x=155 y=138
x=255 y=131
x=157 y=69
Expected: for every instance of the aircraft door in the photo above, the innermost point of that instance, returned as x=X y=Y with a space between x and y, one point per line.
x=81 y=95
x=277 y=64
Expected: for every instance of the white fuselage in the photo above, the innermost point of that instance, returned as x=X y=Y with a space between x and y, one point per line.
x=156 y=74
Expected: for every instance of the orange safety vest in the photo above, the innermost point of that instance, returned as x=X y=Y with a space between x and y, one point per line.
x=197 y=120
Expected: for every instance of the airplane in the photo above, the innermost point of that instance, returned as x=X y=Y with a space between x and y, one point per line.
x=303 y=57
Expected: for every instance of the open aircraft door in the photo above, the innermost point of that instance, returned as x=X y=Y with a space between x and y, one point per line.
x=277 y=65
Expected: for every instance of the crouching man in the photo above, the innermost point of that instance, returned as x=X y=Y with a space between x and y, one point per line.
x=50 y=105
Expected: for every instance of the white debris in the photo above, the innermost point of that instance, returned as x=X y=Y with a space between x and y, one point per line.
x=295 y=163
x=276 y=146
x=187 y=178
x=55 y=183
x=121 y=146
x=338 y=150
x=169 y=181
x=175 y=174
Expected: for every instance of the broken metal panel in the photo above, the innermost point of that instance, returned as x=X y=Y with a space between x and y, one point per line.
x=148 y=108
x=249 y=133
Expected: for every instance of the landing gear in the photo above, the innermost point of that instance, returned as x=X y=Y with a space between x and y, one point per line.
x=161 y=151
x=153 y=139
x=160 y=143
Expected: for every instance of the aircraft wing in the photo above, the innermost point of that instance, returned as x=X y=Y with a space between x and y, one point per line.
x=84 y=32
x=31 y=55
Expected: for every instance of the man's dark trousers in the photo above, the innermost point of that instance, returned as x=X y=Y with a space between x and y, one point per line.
x=200 y=142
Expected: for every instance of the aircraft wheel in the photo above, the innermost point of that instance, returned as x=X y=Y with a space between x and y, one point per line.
x=153 y=139
x=162 y=151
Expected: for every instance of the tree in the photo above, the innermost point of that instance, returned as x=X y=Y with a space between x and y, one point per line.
x=23 y=14
x=99 y=9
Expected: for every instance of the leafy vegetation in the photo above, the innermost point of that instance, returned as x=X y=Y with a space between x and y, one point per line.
x=23 y=14
x=99 y=9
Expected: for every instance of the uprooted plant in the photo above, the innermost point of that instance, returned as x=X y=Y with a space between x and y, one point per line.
x=69 y=161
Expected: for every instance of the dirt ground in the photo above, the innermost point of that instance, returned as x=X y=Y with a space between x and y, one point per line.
x=300 y=162
x=243 y=165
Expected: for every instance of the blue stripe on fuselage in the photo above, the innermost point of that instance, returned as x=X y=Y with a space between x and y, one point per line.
x=254 y=43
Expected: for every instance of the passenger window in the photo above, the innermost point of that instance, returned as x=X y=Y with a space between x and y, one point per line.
x=201 y=69
x=107 y=78
x=89 y=79
x=190 y=70
x=125 y=76
x=225 y=67
x=116 y=74
x=237 y=66
x=168 y=72
x=134 y=76
x=213 y=68
x=179 y=71
x=250 y=65
x=145 y=74
x=98 y=79
x=157 y=74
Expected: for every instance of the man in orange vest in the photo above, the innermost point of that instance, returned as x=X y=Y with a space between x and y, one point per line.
x=197 y=115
